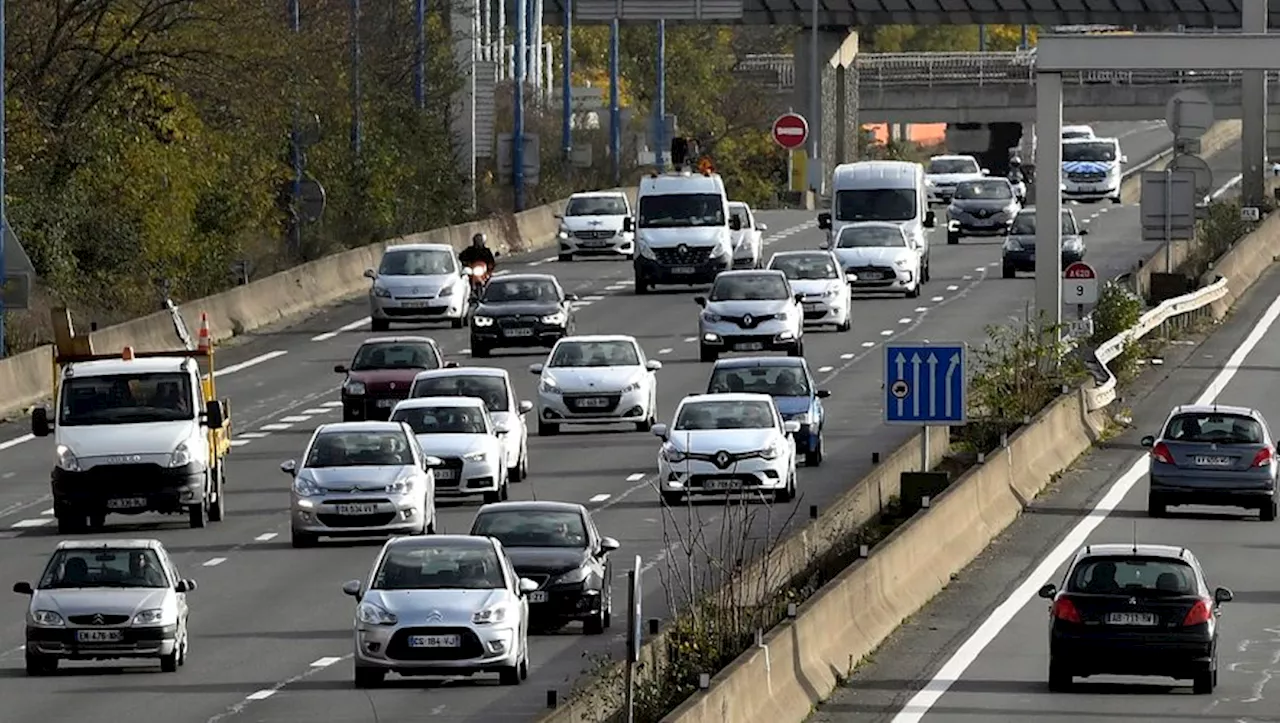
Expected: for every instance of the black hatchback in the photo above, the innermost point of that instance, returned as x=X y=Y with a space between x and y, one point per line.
x=1134 y=609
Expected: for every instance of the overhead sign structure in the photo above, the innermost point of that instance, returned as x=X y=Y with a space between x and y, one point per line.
x=925 y=384
x=1081 y=282
x=790 y=130
x=1189 y=114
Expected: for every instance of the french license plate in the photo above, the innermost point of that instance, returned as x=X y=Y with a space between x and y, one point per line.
x=435 y=641
x=749 y=346
x=683 y=270
x=593 y=402
x=1212 y=461
x=446 y=474
x=387 y=403
x=357 y=509
x=518 y=332
x=813 y=307
x=538 y=596
x=1131 y=619
x=721 y=484
x=126 y=503
x=99 y=636
x=869 y=275
x=594 y=244
x=415 y=304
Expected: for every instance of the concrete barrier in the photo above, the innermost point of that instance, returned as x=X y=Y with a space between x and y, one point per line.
x=27 y=378
x=1219 y=137
x=1250 y=258
x=801 y=661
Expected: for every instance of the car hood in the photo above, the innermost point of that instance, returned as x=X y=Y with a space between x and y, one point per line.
x=693 y=236
x=445 y=608
x=790 y=406
x=369 y=478
x=105 y=600
x=814 y=287
x=872 y=255
x=1028 y=241
x=517 y=308
x=714 y=440
x=592 y=379
x=756 y=308
x=546 y=560
x=455 y=445
x=385 y=379
x=986 y=204
x=416 y=285
x=110 y=440
x=951 y=179
x=592 y=223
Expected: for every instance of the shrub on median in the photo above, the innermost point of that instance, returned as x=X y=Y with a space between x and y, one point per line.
x=1117 y=309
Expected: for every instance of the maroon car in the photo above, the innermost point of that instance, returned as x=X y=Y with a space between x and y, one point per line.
x=382 y=373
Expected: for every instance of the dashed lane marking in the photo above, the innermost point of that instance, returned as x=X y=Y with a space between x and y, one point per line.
x=215 y=562
x=665 y=351
x=887 y=332
x=250 y=363
x=48 y=512
x=599 y=498
x=16 y=441
x=635 y=476
x=953 y=287
x=905 y=320
x=253 y=435
x=240 y=442
x=936 y=299
x=295 y=419
x=824 y=370
x=276 y=427
x=266 y=537
x=325 y=662
x=345 y=327
x=849 y=355
x=333 y=404
x=689 y=339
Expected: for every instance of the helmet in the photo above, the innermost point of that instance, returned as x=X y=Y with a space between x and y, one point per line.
x=478 y=239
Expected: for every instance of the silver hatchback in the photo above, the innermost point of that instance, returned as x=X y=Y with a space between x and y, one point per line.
x=750 y=311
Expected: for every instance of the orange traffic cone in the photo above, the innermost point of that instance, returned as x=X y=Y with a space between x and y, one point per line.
x=202 y=337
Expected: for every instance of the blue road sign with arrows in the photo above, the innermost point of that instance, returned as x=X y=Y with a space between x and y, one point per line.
x=925 y=384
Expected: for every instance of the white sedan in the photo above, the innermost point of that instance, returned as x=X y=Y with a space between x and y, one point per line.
x=727 y=443
x=460 y=432
x=879 y=257
x=596 y=380
x=820 y=278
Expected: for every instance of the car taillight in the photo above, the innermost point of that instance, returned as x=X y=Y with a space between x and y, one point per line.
x=1160 y=453
x=1065 y=610
x=1199 y=613
x=1263 y=457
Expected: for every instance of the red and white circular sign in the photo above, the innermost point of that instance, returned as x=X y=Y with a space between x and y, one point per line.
x=1079 y=270
x=791 y=130
x=1080 y=284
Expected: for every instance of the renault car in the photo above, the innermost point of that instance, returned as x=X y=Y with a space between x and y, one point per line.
x=750 y=311
x=981 y=208
x=469 y=444
x=522 y=311
x=820 y=279
x=417 y=283
x=596 y=380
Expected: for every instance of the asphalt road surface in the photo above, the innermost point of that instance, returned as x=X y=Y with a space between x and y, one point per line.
x=271 y=631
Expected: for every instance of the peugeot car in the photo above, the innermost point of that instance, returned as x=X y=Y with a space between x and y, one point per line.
x=596 y=380
x=382 y=372
x=748 y=240
x=944 y=172
x=879 y=257
x=819 y=277
x=521 y=310
x=793 y=390
x=750 y=311
x=417 y=283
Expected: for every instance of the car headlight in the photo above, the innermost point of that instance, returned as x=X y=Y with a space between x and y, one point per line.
x=1012 y=245
x=149 y=617
x=901 y=263
x=771 y=452
x=355 y=389
x=711 y=317
x=634 y=385
x=802 y=419
x=67 y=459
x=928 y=182
x=563 y=233
x=556 y=319
x=646 y=252
x=402 y=486
x=305 y=487
x=549 y=386
x=482 y=320
x=47 y=619
x=830 y=293
x=475 y=456
x=181 y=456
x=381 y=292
x=447 y=291
x=721 y=250
x=672 y=454
x=574 y=577
x=371 y=614
x=489 y=616
x=954 y=210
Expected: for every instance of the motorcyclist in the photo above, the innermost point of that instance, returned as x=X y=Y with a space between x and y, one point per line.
x=478 y=253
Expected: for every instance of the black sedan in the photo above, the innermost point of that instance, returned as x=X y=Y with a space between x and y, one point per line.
x=983 y=207
x=521 y=310
x=557 y=545
x=1134 y=609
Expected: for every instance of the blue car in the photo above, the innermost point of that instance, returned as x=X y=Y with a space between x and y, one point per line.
x=788 y=381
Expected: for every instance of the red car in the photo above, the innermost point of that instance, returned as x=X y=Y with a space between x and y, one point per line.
x=382 y=373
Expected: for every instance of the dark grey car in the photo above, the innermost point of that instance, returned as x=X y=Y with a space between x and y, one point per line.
x=1213 y=455
x=984 y=207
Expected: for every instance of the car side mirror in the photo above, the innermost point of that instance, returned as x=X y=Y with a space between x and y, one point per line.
x=1048 y=591
x=1148 y=441
x=660 y=431
x=791 y=427
x=1124 y=159
x=525 y=407
x=570 y=297
x=369 y=274
x=1084 y=232
x=823 y=393
x=40 y=423
x=653 y=365
x=213 y=414
x=608 y=544
x=535 y=368
x=1222 y=595
x=761 y=227
x=930 y=219
x=23 y=588
x=429 y=461
x=527 y=586
x=340 y=368
x=799 y=298
x=986 y=171
x=185 y=586
x=289 y=467
x=735 y=223
x=451 y=365
x=700 y=300
x=628 y=224
x=826 y=246
x=824 y=221
x=353 y=588
x=500 y=428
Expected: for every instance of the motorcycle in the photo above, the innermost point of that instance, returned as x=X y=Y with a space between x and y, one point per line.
x=478 y=274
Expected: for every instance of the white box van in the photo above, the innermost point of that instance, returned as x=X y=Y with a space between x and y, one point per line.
x=682 y=229
x=892 y=191
x=1091 y=169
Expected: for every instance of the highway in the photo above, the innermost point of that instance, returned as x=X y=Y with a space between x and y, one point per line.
x=271 y=631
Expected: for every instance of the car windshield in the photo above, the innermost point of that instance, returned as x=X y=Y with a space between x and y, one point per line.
x=755 y=287
x=854 y=237
x=953 y=165
x=1066 y=135
x=516 y=290
x=1212 y=427
x=725 y=415
x=739 y=212
x=1024 y=224
x=126 y=399
x=995 y=190
x=876 y=204
x=1088 y=152
x=596 y=206
x=442 y=420
x=104 y=567
x=1151 y=576
x=417 y=262
x=533 y=528
x=360 y=449
x=682 y=210
x=395 y=355
x=439 y=567
x=493 y=390
x=777 y=381
x=806 y=267
x=595 y=354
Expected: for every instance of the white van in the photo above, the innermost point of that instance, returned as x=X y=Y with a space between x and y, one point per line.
x=892 y=191
x=1091 y=169
x=1072 y=132
x=683 y=229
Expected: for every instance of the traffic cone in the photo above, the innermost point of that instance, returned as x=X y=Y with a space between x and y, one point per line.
x=202 y=337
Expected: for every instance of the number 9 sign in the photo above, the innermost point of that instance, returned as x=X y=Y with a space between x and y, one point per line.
x=1081 y=284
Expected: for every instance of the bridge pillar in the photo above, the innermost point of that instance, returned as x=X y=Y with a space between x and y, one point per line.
x=1253 y=125
x=837 y=101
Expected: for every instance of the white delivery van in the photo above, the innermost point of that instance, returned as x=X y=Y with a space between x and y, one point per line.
x=683 y=229
x=1091 y=169
x=892 y=191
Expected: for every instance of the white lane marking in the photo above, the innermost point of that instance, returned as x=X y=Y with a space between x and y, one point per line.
x=266 y=537
x=538 y=263
x=905 y=320
x=254 y=435
x=1226 y=187
x=824 y=370
x=599 y=498
x=316 y=410
x=981 y=268
x=295 y=419
x=921 y=309
x=324 y=662
x=994 y=264
x=276 y=427
x=16 y=441
x=936 y=299
x=461 y=352
x=593 y=298
x=966 y=277
x=887 y=332
x=33 y=522
x=665 y=351
x=928 y=696
x=47 y=512
x=345 y=327
x=215 y=562
x=953 y=287
x=264 y=694
x=240 y=442
x=8 y=475
x=635 y=477
x=250 y=363
x=688 y=339
x=865 y=345
x=332 y=405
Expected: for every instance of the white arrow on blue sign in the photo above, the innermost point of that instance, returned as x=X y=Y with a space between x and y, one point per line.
x=925 y=384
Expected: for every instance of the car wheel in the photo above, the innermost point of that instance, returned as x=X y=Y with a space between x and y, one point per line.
x=40 y=664
x=218 y=508
x=914 y=293
x=788 y=493
x=547 y=429
x=1060 y=677
x=198 y=514
x=458 y=323
x=1268 y=512
x=813 y=457
x=847 y=324
x=952 y=238
x=673 y=499
x=594 y=625
x=369 y=677
x=1009 y=272
x=707 y=353
x=303 y=539
x=927 y=274
x=379 y=324
x=169 y=663
x=1203 y=683
x=650 y=419
x=494 y=496
x=608 y=610
x=1116 y=199
x=97 y=520
x=797 y=349
x=520 y=471
x=524 y=662
x=70 y=522
x=510 y=675
x=186 y=648
x=479 y=351
x=1155 y=506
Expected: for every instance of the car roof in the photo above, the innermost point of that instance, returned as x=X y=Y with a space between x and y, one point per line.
x=1214 y=409
x=872 y=224
x=420 y=402
x=801 y=252
x=462 y=372
x=1094 y=139
x=1129 y=549
x=399 y=340
x=739 y=203
x=533 y=506
x=419 y=247
x=954 y=157
x=598 y=337
x=108 y=543
x=368 y=426
x=598 y=194
x=756 y=362
x=984 y=179
x=727 y=397
x=1032 y=209
x=749 y=272
x=109 y=367
x=423 y=541
x=526 y=277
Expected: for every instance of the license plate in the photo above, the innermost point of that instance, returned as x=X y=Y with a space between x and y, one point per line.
x=99 y=636
x=813 y=307
x=594 y=244
x=722 y=484
x=1212 y=461
x=435 y=641
x=749 y=346
x=683 y=270
x=1131 y=619
x=126 y=503
x=446 y=474
x=518 y=332
x=415 y=304
x=593 y=402
x=538 y=596
x=869 y=275
x=357 y=509
x=387 y=403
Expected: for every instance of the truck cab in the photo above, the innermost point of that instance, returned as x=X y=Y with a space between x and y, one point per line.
x=683 y=230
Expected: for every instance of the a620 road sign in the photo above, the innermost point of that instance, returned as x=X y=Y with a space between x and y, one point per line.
x=1080 y=284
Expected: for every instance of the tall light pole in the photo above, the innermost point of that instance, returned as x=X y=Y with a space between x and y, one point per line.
x=517 y=131
x=420 y=54
x=4 y=209
x=615 y=110
x=295 y=139
x=660 y=131
x=356 y=130
x=566 y=84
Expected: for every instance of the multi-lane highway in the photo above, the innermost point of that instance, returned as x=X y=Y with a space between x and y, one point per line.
x=271 y=629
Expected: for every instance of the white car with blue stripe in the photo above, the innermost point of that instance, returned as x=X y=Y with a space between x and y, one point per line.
x=1091 y=169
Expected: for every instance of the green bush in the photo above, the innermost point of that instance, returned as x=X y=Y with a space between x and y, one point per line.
x=1117 y=309
x=1216 y=232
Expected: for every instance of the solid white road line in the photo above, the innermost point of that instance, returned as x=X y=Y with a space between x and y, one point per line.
x=16 y=441
x=33 y=522
x=250 y=363
x=346 y=327
x=920 y=704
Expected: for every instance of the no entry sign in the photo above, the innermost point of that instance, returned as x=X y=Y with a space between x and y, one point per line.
x=1081 y=283
x=790 y=131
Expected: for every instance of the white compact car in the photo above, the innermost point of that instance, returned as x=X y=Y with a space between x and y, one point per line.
x=821 y=280
x=596 y=380
x=944 y=172
x=878 y=256
x=416 y=283
x=722 y=443
x=750 y=311
x=493 y=385
x=459 y=431
x=592 y=225
x=748 y=240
